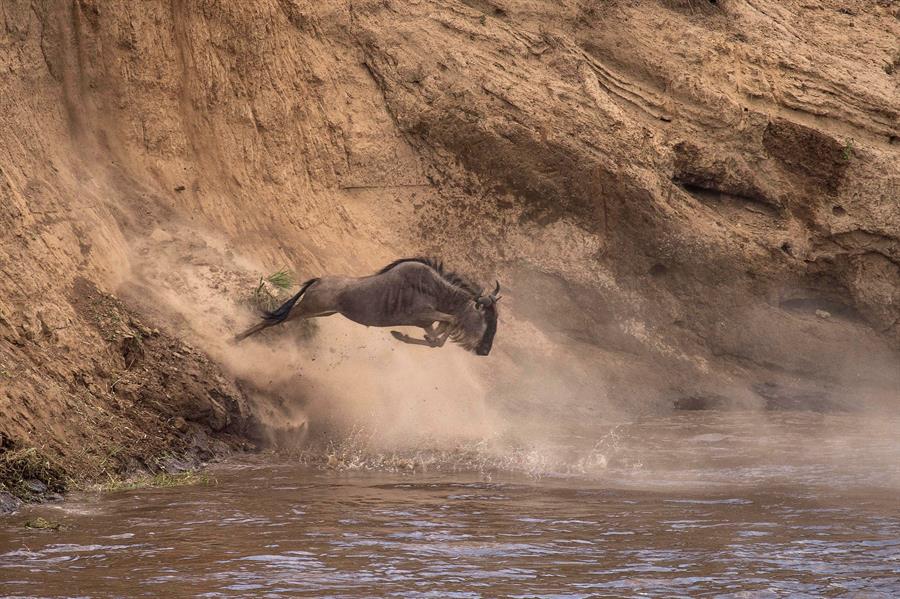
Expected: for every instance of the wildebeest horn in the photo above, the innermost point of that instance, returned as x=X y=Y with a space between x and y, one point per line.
x=487 y=300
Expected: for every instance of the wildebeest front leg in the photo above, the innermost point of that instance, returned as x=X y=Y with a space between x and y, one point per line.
x=437 y=336
x=434 y=336
x=411 y=340
x=435 y=316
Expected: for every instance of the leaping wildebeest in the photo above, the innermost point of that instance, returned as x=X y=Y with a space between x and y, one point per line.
x=408 y=292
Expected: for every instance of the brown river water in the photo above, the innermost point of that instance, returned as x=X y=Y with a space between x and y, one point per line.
x=689 y=505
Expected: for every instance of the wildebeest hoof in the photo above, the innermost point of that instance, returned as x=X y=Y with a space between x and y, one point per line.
x=399 y=335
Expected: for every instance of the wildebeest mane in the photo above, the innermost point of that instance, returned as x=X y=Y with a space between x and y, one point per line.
x=451 y=277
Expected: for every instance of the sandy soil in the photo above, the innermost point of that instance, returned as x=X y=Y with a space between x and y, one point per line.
x=689 y=204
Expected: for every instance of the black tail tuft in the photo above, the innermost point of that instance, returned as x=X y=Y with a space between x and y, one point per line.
x=280 y=313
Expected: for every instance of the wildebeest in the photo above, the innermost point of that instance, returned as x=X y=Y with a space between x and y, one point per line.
x=407 y=292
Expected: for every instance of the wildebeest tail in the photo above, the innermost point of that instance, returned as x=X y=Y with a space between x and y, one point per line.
x=281 y=312
x=277 y=315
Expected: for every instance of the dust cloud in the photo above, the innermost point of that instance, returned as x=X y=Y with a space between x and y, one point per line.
x=339 y=387
x=354 y=397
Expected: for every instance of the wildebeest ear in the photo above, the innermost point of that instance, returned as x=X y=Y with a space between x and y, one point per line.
x=478 y=305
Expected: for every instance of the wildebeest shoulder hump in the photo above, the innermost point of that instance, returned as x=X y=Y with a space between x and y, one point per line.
x=438 y=266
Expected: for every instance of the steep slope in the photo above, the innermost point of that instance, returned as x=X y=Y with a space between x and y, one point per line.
x=688 y=203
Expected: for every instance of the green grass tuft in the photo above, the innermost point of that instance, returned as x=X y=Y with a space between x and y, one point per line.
x=281 y=279
x=847 y=151
x=272 y=290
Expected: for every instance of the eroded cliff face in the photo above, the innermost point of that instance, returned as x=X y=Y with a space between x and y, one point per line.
x=688 y=203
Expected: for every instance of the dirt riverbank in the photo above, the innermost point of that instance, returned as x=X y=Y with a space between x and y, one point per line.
x=688 y=203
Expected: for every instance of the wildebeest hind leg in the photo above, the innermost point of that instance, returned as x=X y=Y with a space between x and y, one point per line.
x=308 y=308
x=254 y=329
x=298 y=312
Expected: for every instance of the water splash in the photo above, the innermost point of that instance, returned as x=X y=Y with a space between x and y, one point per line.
x=359 y=450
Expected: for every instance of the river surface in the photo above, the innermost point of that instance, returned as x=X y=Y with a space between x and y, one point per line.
x=695 y=504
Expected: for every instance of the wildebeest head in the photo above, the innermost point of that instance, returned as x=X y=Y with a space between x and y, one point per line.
x=487 y=306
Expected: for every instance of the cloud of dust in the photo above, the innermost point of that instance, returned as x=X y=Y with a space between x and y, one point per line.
x=342 y=379
x=539 y=403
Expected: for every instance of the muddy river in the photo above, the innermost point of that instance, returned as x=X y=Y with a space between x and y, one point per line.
x=781 y=504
